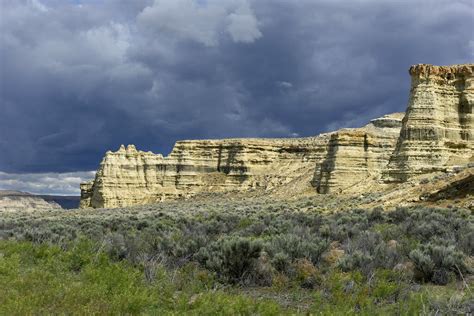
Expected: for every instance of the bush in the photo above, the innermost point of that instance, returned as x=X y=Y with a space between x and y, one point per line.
x=281 y=261
x=355 y=260
x=435 y=262
x=231 y=258
x=298 y=247
x=369 y=252
x=423 y=264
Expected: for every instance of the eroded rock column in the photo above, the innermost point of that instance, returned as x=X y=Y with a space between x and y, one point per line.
x=437 y=130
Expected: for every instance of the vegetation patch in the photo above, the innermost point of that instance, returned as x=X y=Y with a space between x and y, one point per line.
x=245 y=257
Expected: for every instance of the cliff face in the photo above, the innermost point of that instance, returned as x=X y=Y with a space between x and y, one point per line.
x=356 y=157
x=438 y=126
x=130 y=177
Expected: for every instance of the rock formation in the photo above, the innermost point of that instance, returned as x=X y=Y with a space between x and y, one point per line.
x=130 y=177
x=356 y=157
x=14 y=201
x=438 y=126
x=436 y=132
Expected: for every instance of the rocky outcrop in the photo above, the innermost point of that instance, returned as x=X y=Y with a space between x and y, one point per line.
x=131 y=177
x=438 y=126
x=357 y=157
x=15 y=201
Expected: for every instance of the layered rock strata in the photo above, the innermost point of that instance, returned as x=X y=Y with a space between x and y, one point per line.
x=357 y=157
x=438 y=126
x=130 y=177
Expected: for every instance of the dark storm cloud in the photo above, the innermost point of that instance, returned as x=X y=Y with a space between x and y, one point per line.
x=81 y=77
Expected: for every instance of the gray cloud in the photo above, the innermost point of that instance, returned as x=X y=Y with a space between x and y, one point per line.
x=201 y=21
x=79 y=78
x=45 y=183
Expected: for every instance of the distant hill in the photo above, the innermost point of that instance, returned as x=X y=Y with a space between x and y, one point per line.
x=66 y=202
x=12 y=201
x=16 y=199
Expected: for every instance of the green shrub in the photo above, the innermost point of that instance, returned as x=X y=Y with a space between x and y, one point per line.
x=281 y=261
x=298 y=247
x=231 y=258
x=435 y=262
x=369 y=252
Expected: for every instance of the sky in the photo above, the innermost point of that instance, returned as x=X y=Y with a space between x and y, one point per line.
x=78 y=78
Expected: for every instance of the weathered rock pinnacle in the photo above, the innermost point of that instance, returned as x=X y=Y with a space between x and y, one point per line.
x=437 y=130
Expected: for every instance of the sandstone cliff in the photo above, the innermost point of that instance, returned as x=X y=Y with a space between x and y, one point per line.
x=438 y=126
x=357 y=157
x=130 y=177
